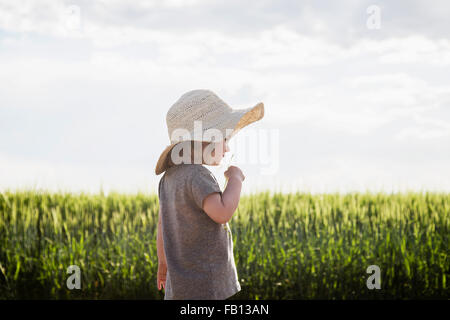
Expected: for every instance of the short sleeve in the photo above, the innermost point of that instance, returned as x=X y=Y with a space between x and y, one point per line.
x=203 y=184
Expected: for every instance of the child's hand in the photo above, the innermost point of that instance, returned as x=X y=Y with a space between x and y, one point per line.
x=161 y=276
x=234 y=171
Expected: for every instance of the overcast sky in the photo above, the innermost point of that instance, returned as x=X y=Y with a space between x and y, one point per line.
x=85 y=87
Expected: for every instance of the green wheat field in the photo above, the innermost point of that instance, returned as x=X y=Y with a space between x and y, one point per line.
x=286 y=246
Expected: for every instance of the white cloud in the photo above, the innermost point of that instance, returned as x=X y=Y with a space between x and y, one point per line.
x=121 y=70
x=20 y=172
x=418 y=50
x=428 y=128
x=349 y=173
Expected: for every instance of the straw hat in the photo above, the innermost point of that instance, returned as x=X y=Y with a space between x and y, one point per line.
x=211 y=112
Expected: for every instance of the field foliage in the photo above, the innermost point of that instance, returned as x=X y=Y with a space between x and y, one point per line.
x=286 y=246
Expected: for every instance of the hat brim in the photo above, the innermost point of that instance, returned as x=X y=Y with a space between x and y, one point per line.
x=235 y=120
x=240 y=118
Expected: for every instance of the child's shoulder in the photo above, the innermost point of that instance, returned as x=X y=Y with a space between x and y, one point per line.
x=189 y=177
x=186 y=171
x=195 y=173
x=188 y=167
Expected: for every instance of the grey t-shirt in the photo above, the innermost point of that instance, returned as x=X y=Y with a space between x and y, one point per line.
x=199 y=251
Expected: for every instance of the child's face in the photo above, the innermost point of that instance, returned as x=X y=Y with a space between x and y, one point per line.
x=219 y=148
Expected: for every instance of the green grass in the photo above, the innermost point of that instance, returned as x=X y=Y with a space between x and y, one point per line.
x=295 y=246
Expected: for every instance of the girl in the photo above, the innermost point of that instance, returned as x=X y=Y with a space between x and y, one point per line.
x=194 y=241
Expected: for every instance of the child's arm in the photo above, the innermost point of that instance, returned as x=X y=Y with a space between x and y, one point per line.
x=221 y=208
x=162 y=264
x=160 y=243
